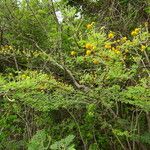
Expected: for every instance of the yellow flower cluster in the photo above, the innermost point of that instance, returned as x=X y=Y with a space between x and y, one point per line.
x=121 y=48
x=111 y=35
x=116 y=50
x=124 y=39
x=135 y=32
x=7 y=49
x=90 y=48
x=24 y=76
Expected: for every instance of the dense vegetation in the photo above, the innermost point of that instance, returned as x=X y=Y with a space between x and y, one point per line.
x=74 y=75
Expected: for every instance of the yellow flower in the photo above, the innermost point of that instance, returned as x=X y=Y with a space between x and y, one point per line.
x=88 y=52
x=108 y=46
x=143 y=47
x=95 y=62
x=93 y=47
x=10 y=47
x=124 y=39
x=117 y=51
x=89 y=46
x=89 y=26
x=133 y=33
x=126 y=51
x=137 y=30
x=118 y=41
x=111 y=35
x=73 y=53
x=24 y=76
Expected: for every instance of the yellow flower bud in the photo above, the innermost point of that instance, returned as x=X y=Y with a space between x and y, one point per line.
x=73 y=53
x=24 y=76
x=93 y=47
x=108 y=46
x=143 y=47
x=88 y=52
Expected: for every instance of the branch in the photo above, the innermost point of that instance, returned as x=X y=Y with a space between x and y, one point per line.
x=67 y=74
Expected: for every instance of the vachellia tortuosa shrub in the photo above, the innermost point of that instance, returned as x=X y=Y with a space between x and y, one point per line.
x=115 y=104
x=72 y=85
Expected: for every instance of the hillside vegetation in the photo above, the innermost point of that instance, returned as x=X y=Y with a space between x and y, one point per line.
x=74 y=75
